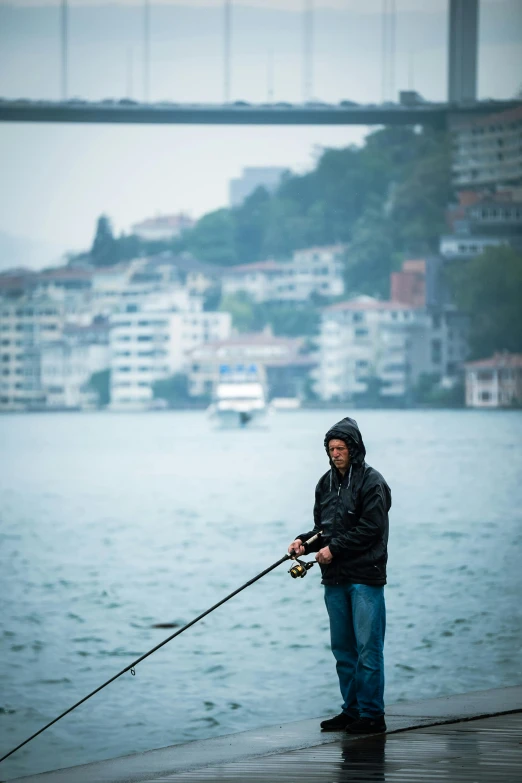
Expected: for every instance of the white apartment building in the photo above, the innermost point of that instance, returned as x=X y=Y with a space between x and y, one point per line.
x=151 y=344
x=495 y=382
x=365 y=338
x=25 y=323
x=66 y=365
x=316 y=270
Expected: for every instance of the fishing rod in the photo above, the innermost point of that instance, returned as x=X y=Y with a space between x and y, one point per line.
x=297 y=571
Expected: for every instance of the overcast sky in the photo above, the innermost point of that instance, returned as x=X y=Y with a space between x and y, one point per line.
x=57 y=179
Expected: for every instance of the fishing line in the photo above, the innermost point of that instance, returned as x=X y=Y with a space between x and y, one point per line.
x=296 y=571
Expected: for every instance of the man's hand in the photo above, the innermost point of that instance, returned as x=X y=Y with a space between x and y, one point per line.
x=324 y=556
x=296 y=548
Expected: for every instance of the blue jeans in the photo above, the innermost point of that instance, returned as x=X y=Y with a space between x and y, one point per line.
x=357 y=625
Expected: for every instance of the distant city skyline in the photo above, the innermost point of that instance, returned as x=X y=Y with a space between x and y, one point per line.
x=58 y=179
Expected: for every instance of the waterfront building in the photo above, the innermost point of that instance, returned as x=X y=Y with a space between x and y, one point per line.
x=487 y=151
x=153 y=343
x=495 y=382
x=282 y=362
x=67 y=365
x=365 y=343
x=316 y=270
x=25 y=323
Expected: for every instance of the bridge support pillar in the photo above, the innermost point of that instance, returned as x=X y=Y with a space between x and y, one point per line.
x=462 y=50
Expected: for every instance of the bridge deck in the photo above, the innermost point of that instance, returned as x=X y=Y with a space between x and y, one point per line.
x=129 y=112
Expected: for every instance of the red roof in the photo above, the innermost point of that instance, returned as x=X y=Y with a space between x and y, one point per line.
x=256 y=266
x=497 y=361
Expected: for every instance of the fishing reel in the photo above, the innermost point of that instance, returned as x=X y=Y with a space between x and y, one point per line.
x=300 y=568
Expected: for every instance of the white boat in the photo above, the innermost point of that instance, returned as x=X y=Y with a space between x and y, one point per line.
x=239 y=398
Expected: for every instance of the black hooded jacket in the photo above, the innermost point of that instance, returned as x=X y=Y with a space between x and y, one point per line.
x=352 y=512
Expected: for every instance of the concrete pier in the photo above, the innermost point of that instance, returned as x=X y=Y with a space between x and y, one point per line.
x=467 y=737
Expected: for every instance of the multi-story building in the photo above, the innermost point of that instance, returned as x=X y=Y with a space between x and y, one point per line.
x=481 y=220
x=67 y=365
x=25 y=323
x=280 y=361
x=365 y=341
x=149 y=344
x=487 y=152
x=495 y=382
x=316 y=270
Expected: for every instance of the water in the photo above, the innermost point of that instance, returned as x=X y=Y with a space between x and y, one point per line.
x=112 y=523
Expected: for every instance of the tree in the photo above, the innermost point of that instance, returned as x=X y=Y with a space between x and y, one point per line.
x=104 y=247
x=101 y=382
x=370 y=256
x=240 y=306
x=489 y=289
x=212 y=238
x=173 y=390
x=249 y=226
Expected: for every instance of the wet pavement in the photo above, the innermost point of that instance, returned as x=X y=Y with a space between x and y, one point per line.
x=468 y=737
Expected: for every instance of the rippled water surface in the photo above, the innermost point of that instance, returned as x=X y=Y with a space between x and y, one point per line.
x=111 y=524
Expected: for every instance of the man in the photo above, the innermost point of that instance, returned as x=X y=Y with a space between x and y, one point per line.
x=352 y=501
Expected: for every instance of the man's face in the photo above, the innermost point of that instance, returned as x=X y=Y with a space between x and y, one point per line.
x=339 y=454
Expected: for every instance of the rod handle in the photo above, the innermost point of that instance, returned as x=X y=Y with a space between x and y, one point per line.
x=310 y=541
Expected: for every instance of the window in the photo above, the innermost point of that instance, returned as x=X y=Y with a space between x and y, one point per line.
x=361 y=332
x=485 y=396
x=484 y=375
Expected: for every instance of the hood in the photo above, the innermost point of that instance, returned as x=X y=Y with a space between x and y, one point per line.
x=348 y=430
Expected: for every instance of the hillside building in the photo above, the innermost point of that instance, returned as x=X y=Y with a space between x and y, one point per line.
x=317 y=270
x=487 y=151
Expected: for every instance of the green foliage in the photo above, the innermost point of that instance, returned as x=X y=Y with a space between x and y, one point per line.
x=370 y=257
x=103 y=250
x=386 y=199
x=212 y=238
x=101 y=383
x=372 y=397
x=285 y=320
x=241 y=309
x=288 y=320
x=429 y=392
x=489 y=289
x=249 y=221
x=173 y=389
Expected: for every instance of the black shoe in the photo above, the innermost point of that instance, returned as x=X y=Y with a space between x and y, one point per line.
x=367 y=725
x=339 y=723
